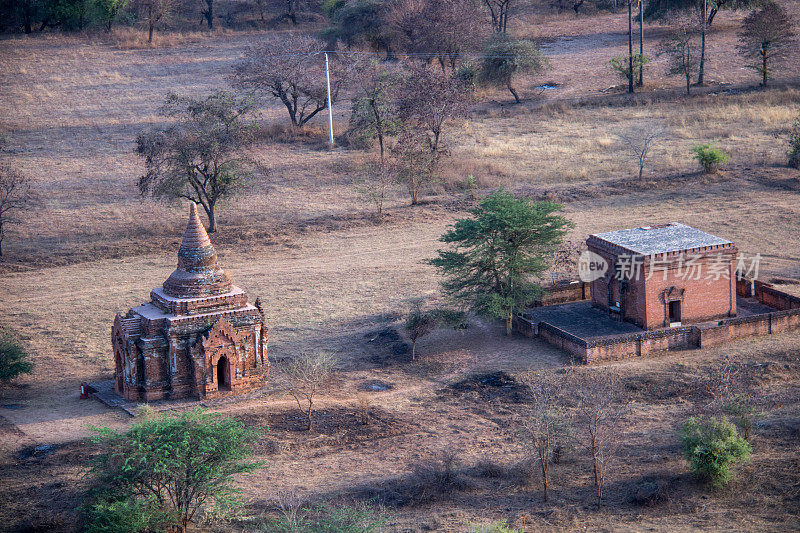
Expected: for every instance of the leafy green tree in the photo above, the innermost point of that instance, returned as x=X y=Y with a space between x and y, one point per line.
x=712 y=446
x=198 y=157
x=168 y=468
x=108 y=10
x=767 y=38
x=704 y=10
x=621 y=65
x=13 y=357
x=494 y=255
x=505 y=57
x=362 y=22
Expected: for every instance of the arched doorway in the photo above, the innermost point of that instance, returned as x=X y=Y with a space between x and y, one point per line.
x=223 y=374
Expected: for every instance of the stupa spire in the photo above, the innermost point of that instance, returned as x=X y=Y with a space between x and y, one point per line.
x=198 y=273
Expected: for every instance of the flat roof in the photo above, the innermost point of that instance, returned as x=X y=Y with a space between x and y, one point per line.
x=661 y=239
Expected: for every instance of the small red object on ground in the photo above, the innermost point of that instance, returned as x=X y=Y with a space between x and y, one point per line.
x=84 y=391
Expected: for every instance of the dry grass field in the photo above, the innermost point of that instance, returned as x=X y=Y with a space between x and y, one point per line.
x=300 y=237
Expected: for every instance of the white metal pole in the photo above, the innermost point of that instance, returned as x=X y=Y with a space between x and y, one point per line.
x=330 y=111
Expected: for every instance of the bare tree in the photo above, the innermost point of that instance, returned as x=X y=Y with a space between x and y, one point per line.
x=428 y=99
x=199 y=157
x=545 y=425
x=290 y=68
x=418 y=324
x=152 y=12
x=767 y=38
x=499 y=11
x=374 y=106
x=16 y=195
x=374 y=183
x=601 y=408
x=682 y=50
x=565 y=259
x=639 y=141
x=416 y=163
x=441 y=29
x=306 y=374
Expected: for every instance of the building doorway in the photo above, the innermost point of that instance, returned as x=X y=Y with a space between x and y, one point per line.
x=223 y=374
x=675 y=311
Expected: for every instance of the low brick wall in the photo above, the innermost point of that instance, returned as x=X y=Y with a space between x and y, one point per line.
x=769 y=295
x=574 y=291
x=749 y=326
x=640 y=344
x=573 y=345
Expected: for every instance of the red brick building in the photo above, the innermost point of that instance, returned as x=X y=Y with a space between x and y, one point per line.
x=196 y=337
x=664 y=275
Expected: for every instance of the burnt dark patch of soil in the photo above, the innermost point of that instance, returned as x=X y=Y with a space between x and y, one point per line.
x=334 y=426
x=387 y=347
x=492 y=386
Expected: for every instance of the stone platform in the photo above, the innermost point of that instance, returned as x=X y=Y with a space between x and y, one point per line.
x=104 y=393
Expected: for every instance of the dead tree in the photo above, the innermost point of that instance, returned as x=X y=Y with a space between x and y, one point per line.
x=600 y=411
x=306 y=375
x=289 y=67
x=639 y=141
x=545 y=426
x=16 y=195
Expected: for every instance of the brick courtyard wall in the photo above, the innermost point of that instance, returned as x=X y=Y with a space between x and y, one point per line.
x=574 y=291
x=749 y=326
x=525 y=327
x=641 y=344
x=573 y=345
x=769 y=295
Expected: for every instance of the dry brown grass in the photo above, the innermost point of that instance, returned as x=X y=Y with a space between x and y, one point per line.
x=299 y=237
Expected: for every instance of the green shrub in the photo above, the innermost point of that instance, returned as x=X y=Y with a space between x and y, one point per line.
x=186 y=461
x=108 y=514
x=13 y=357
x=713 y=446
x=710 y=157
x=794 y=144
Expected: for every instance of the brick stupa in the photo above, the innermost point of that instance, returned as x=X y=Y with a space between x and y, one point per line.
x=197 y=337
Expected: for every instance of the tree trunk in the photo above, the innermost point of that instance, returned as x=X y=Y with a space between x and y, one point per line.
x=509 y=324
x=641 y=43
x=308 y=414
x=764 y=67
x=688 y=82
x=630 y=46
x=414 y=350
x=212 y=219
x=209 y=14
x=701 y=70
x=543 y=462
x=516 y=96
x=150 y=34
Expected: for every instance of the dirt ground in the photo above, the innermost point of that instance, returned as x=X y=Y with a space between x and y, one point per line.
x=329 y=278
